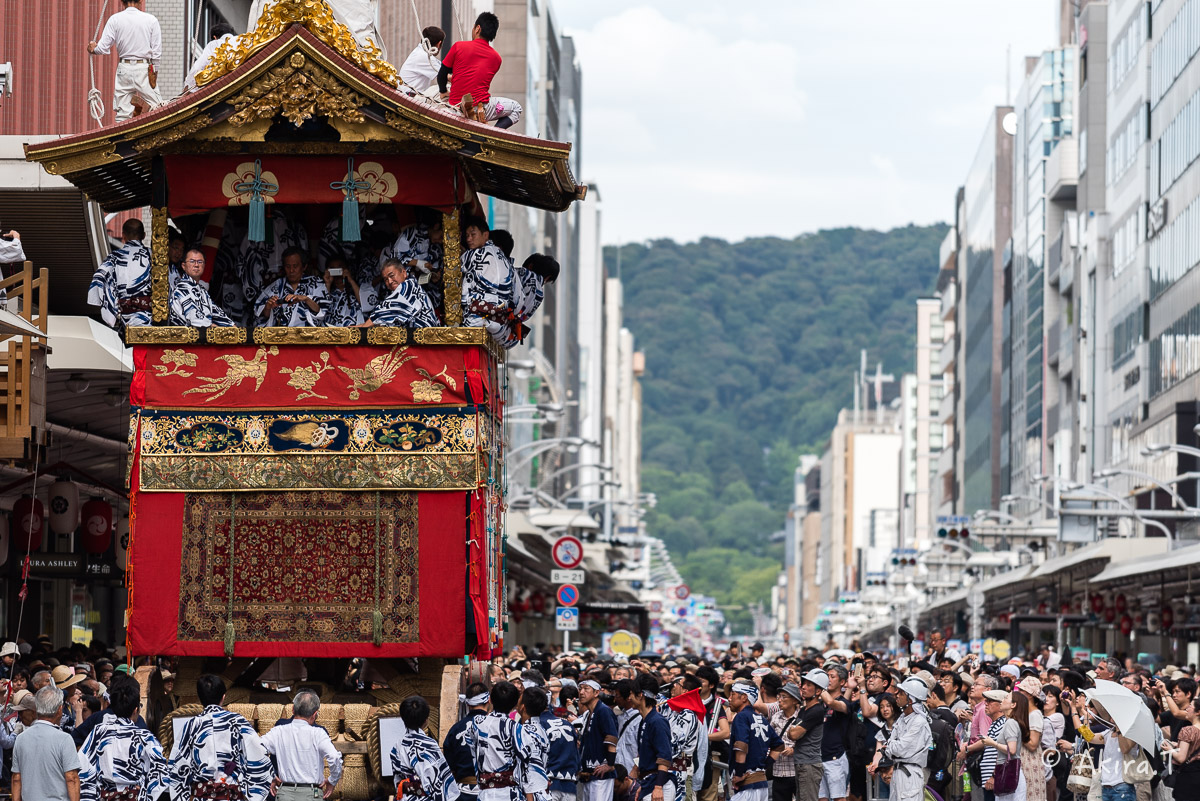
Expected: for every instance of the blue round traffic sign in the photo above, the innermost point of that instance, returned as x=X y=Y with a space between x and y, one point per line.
x=568 y=595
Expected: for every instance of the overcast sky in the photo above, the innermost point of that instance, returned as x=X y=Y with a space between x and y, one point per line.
x=778 y=117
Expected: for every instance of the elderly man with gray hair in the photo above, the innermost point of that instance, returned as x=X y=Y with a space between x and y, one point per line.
x=301 y=750
x=45 y=765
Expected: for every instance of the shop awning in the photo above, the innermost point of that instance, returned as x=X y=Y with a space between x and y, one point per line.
x=562 y=518
x=1109 y=550
x=1182 y=558
x=997 y=582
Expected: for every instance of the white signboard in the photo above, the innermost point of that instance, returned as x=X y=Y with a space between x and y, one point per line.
x=390 y=732
x=566 y=618
x=566 y=576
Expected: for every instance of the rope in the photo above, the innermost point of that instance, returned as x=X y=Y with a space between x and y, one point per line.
x=229 y=629
x=24 y=593
x=94 y=98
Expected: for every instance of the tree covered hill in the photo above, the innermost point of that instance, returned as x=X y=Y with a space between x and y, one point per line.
x=750 y=350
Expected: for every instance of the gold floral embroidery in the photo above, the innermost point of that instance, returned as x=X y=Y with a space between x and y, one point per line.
x=382 y=185
x=426 y=389
x=178 y=358
x=305 y=378
x=235 y=185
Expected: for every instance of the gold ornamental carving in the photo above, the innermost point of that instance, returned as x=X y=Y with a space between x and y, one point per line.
x=161 y=335
x=452 y=274
x=278 y=335
x=299 y=94
x=225 y=336
x=156 y=142
x=516 y=161
x=78 y=162
x=318 y=18
x=421 y=133
x=386 y=335
x=159 y=279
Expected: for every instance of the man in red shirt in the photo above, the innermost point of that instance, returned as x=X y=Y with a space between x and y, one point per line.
x=473 y=65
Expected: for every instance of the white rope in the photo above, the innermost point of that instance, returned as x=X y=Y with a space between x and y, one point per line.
x=94 y=98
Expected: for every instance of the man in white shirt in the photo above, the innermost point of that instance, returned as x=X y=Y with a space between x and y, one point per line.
x=420 y=69
x=10 y=248
x=138 y=41
x=218 y=35
x=301 y=750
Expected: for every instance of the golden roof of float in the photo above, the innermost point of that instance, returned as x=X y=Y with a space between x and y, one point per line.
x=301 y=63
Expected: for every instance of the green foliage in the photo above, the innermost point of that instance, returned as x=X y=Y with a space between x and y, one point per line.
x=751 y=349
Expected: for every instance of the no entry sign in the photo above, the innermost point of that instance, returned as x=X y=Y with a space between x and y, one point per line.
x=567 y=552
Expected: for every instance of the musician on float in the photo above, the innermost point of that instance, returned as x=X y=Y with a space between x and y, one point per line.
x=296 y=300
x=191 y=304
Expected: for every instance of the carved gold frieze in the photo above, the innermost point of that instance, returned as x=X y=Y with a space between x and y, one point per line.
x=517 y=161
x=160 y=287
x=318 y=18
x=161 y=335
x=450 y=336
x=225 y=336
x=386 y=335
x=277 y=335
x=422 y=133
x=299 y=94
x=155 y=142
x=77 y=162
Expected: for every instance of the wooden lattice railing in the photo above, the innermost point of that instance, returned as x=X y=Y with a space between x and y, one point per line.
x=23 y=361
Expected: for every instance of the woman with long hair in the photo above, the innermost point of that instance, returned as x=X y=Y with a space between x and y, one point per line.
x=1001 y=743
x=1186 y=755
x=1030 y=720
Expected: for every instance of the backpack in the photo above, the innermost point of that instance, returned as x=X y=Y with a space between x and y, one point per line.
x=942 y=748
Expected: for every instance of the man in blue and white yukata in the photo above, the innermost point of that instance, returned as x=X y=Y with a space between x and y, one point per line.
x=597 y=744
x=406 y=306
x=508 y=764
x=457 y=745
x=755 y=745
x=296 y=300
x=419 y=247
x=654 y=744
x=190 y=302
x=487 y=289
x=562 y=759
x=259 y=264
x=121 y=285
x=218 y=755
x=120 y=760
x=343 y=305
x=418 y=767
x=683 y=711
x=529 y=290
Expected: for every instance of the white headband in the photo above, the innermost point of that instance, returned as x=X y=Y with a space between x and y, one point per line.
x=595 y=685
x=475 y=700
x=527 y=684
x=748 y=690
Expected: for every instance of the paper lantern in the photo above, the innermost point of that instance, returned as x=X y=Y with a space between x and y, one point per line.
x=64 y=507
x=1126 y=624
x=1168 y=618
x=29 y=518
x=97 y=526
x=122 y=543
x=1152 y=621
x=1121 y=603
x=1097 y=603
x=1110 y=614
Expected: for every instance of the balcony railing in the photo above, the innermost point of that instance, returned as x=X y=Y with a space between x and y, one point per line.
x=23 y=361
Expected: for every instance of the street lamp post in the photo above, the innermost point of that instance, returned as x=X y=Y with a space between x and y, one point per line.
x=1117 y=471
x=1145 y=521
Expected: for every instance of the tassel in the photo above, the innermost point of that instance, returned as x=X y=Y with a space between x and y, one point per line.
x=258 y=220
x=377 y=627
x=350 y=227
x=229 y=639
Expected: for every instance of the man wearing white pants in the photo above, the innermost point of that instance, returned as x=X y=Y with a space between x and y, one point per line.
x=138 y=41
x=598 y=744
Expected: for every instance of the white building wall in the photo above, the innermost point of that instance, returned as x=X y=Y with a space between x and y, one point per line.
x=875 y=479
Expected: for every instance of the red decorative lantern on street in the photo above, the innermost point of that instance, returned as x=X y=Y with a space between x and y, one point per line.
x=537 y=602
x=1097 y=603
x=1110 y=614
x=1121 y=604
x=1064 y=608
x=1043 y=608
x=29 y=519
x=1126 y=624
x=1168 y=618
x=97 y=526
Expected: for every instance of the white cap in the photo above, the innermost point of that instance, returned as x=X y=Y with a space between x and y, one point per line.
x=915 y=688
x=817 y=677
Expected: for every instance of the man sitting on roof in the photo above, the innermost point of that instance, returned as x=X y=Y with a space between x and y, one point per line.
x=295 y=300
x=138 y=41
x=121 y=286
x=190 y=302
x=473 y=65
x=407 y=306
x=218 y=35
x=487 y=288
x=420 y=70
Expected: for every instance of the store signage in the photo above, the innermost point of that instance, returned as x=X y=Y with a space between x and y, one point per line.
x=55 y=564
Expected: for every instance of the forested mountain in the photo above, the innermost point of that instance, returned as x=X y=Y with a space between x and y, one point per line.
x=750 y=350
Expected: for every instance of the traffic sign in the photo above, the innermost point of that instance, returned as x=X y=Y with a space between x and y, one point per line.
x=682 y=592
x=568 y=595
x=567 y=552
x=567 y=576
x=656 y=607
x=566 y=618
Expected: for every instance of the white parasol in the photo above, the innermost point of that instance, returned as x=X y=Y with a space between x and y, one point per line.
x=1126 y=710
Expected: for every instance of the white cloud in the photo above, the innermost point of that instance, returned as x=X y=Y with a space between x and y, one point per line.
x=710 y=118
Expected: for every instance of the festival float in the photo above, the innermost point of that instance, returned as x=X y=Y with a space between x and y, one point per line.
x=330 y=494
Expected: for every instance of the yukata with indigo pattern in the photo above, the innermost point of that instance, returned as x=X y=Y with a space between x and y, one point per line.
x=419 y=765
x=121 y=760
x=488 y=277
x=219 y=756
x=121 y=286
x=509 y=758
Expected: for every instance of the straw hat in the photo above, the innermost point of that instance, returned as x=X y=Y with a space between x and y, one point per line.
x=65 y=677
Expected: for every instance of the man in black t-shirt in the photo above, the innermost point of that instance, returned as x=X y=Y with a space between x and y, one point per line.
x=835 y=779
x=808 y=736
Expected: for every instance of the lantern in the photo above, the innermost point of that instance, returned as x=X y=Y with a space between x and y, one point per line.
x=29 y=516
x=1168 y=618
x=122 y=546
x=64 y=507
x=537 y=602
x=1152 y=621
x=1110 y=614
x=97 y=526
x=1126 y=624
x=1121 y=603
x=1043 y=608
x=1097 y=603
x=1064 y=608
